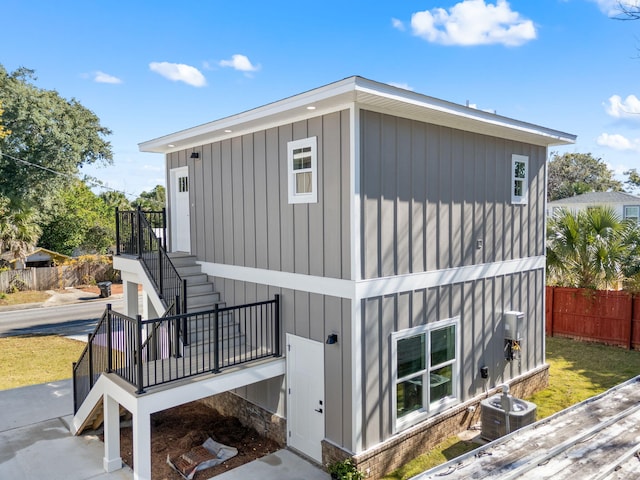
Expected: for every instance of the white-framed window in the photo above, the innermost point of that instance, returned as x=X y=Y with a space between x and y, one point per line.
x=426 y=369
x=519 y=179
x=632 y=212
x=303 y=170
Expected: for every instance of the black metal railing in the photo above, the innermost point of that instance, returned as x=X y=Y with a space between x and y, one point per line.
x=218 y=339
x=143 y=235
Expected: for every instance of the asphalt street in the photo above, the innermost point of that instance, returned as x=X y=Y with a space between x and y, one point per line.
x=74 y=319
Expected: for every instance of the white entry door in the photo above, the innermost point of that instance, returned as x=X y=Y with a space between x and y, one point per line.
x=305 y=399
x=180 y=224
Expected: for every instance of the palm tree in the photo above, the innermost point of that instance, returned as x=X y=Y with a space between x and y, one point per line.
x=19 y=231
x=589 y=248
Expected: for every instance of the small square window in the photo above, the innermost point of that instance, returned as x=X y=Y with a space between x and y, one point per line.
x=519 y=179
x=302 y=161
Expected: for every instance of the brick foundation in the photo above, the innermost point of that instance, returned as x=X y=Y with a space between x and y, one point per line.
x=421 y=438
x=264 y=422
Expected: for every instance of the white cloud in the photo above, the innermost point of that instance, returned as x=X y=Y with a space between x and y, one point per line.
x=398 y=24
x=474 y=22
x=179 y=72
x=627 y=108
x=101 y=77
x=241 y=63
x=401 y=85
x=619 y=142
x=612 y=8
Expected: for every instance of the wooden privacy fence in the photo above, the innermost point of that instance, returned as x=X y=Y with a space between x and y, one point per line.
x=50 y=278
x=611 y=317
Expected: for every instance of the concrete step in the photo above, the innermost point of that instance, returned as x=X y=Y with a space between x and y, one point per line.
x=182 y=260
x=200 y=288
x=187 y=270
x=195 y=300
x=195 y=278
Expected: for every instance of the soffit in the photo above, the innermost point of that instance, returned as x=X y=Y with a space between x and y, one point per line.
x=366 y=94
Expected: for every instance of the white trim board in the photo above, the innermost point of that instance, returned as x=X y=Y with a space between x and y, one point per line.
x=375 y=287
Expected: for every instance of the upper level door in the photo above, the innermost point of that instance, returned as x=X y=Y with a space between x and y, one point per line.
x=180 y=222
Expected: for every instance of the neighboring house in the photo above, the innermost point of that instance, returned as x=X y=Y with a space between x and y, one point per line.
x=625 y=205
x=401 y=232
x=40 y=257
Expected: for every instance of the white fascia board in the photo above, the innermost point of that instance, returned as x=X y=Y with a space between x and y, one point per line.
x=366 y=93
x=325 y=99
x=400 y=96
x=333 y=287
x=415 y=281
x=375 y=287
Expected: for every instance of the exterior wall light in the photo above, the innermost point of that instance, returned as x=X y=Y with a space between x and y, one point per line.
x=332 y=338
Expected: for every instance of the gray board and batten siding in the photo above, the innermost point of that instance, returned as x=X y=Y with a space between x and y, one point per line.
x=480 y=304
x=239 y=204
x=428 y=194
x=241 y=216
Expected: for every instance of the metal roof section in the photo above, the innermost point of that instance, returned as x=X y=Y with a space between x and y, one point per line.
x=367 y=94
x=597 y=439
x=596 y=198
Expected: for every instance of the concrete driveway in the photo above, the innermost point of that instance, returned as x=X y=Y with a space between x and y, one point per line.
x=36 y=442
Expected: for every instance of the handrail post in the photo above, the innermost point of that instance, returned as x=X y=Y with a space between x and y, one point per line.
x=90 y=353
x=139 y=230
x=276 y=352
x=184 y=295
x=176 y=329
x=75 y=388
x=117 y=231
x=164 y=227
x=140 y=382
x=109 y=340
x=160 y=272
x=216 y=340
x=185 y=326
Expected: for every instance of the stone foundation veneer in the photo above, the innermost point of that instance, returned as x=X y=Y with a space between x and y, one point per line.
x=421 y=438
x=264 y=422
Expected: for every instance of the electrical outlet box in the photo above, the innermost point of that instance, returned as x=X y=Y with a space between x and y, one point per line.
x=513 y=325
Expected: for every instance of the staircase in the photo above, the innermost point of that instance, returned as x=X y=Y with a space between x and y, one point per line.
x=201 y=295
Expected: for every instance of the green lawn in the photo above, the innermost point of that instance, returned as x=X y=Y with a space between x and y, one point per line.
x=18 y=298
x=578 y=371
x=33 y=360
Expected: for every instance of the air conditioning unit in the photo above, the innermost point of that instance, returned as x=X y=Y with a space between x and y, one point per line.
x=494 y=417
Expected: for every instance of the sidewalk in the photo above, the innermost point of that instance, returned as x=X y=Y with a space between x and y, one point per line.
x=67 y=296
x=35 y=441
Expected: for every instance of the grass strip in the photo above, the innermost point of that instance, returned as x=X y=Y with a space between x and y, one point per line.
x=38 y=359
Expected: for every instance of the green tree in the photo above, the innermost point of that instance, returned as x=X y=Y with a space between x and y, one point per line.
x=576 y=173
x=114 y=199
x=19 y=231
x=51 y=138
x=80 y=222
x=3 y=131
x=153 y=200
x=588 y=248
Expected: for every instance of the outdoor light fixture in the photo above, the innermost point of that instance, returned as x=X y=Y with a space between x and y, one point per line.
x=195 y=155
x=332 y=338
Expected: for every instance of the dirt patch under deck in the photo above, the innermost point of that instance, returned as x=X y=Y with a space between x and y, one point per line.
x=177 y=430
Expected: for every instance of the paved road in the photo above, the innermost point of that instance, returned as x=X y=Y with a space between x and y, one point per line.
x=74 y=319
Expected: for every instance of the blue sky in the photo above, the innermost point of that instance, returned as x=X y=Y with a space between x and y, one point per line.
x=152 y=68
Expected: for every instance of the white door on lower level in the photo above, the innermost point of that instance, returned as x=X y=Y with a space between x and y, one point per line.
x=305 y=396
x=180 y=223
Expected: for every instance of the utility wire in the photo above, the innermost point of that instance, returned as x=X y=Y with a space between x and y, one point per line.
x=67 y=175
